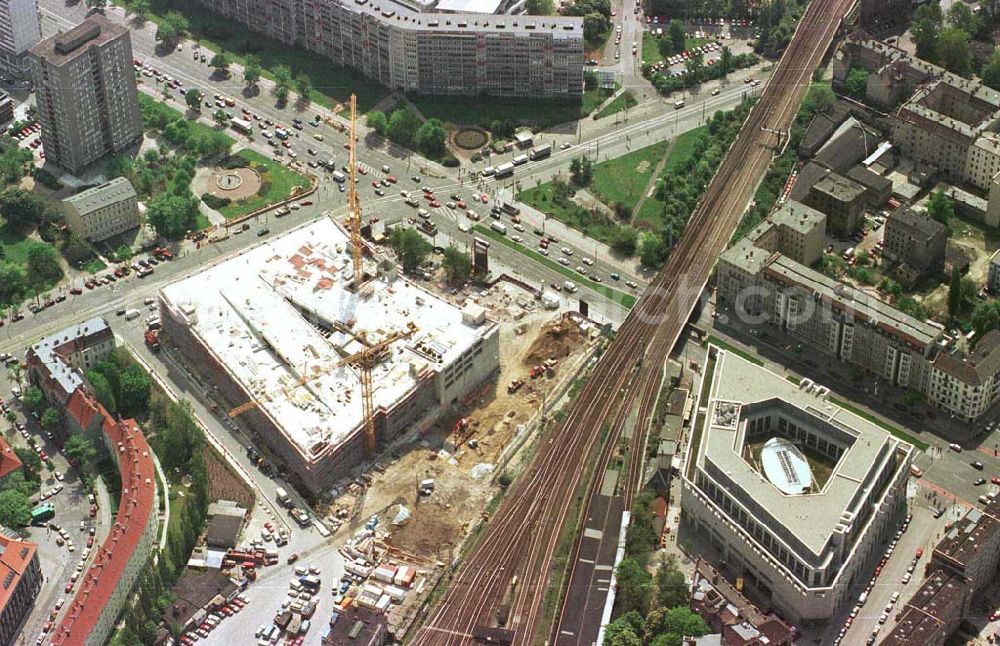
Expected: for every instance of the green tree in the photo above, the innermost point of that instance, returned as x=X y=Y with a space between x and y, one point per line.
x=43 y=263
x=251 y=70
x=623 y=240
x=590 y=81
x=30 y=459
x=14 y=160
x=726 y=60
x=81 y=450
x=134 y=389
x=140 y=8
x=666 y=47
x=819 y=98
x=221 y=62
x=595 y=25
x=51 y=419
x=13 y=283
x=456 y=264
x=990 y=73
x=281 y=93
x=33 y=399
x=986 y=317
x=220 y=117
x=962 y=17
x=123 y=252
x=76 y=250
x=941 y=207
x=97 y=5
x=954 y=52
x=635 y=587
x=856 y=83
x=403 y=126
x=171 y=216
x=19 y=207
x=15 y=509
x=669 y=626
x=581 y=170
x=926 y=25
x=410 y=246
x=378 y=122
x=695 y=67
x=671 y=586
x=193 y=99
x=171 y=27
x=652 y=251
x=303 y=85
x=539 y=7
x=430 y=139
x=103 y=391
x=675 y=32
x=282 y=74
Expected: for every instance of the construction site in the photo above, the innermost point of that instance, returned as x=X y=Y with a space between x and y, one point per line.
x=283 y=334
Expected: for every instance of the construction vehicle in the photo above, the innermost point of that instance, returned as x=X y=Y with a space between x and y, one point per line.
x=537 y=372
x=461 y=427
x=152 y=339
x=514 y=385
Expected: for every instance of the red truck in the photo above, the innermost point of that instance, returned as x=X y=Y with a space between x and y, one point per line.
x=152 y=338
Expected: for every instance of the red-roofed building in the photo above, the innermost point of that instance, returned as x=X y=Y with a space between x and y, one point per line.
x=20 y=581
x=9 y=462
x=124 y=554
x=57 y=364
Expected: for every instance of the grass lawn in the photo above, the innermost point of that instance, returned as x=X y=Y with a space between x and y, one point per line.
x=624 y=178
x=650 y=50
x=15 y=245
x=613 y=294
x=332 y=83
x=542 y=197
x=679 y=155
x=95 y=265
x=278 y=183
x=622 y=101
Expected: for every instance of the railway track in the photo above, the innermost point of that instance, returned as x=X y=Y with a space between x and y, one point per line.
x=524 y=534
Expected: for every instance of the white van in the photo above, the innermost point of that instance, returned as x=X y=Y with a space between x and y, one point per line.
x=132 y=314
x=569 y=286
x=678 y=104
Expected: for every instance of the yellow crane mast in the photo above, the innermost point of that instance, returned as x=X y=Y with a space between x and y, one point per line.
x=365 y=360
x=353 y=208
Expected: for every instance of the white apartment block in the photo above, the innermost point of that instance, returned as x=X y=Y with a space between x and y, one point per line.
x=103 y=211
x=19 y=31
x=436 y=52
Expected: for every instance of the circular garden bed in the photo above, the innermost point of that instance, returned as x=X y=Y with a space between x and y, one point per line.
x=470 y=138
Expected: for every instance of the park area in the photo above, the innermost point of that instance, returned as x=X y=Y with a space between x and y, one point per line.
x=621 y=190
x=248 y=181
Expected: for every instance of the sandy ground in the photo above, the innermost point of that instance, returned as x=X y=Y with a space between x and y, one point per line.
x=440 y=521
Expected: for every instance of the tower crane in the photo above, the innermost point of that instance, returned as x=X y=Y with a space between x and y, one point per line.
x=353 y=208
x=365 y=360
